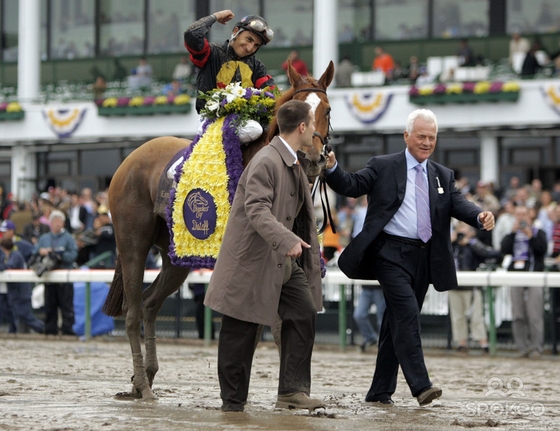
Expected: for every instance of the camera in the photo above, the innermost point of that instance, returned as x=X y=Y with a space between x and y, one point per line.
x=522 y=225
x=460 y=236
x=48 y=262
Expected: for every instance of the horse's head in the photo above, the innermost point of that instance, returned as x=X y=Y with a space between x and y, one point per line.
x=314 y=92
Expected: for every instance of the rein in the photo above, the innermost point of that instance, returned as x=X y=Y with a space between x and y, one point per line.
x=321 y=182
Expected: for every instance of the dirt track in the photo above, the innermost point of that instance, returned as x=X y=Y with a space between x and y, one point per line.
x=66 y=384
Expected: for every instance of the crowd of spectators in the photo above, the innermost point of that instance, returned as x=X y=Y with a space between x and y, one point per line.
x=57 y=228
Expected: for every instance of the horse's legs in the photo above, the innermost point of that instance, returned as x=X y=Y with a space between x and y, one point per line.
x=168 y=281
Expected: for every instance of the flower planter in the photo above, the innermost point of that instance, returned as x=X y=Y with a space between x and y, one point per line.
x=11 y=116
x=144 y=110
x=441 y=99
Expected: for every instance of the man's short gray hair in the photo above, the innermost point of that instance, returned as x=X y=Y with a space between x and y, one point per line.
x=57 y=213
x=425 y=114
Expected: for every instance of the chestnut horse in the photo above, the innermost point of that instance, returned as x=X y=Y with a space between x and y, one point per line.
x=132 y=196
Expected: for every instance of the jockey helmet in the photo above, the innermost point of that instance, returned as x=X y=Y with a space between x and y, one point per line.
x=257 y=25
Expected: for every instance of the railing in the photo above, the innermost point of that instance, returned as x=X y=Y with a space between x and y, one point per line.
x=490 y=280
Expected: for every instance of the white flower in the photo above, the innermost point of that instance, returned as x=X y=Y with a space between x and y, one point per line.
x=234 y=91
x=212 y=105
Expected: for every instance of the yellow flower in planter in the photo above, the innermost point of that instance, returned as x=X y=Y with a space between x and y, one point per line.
x=110 y=102
x=454 y=88
x=510 y=87
x=481 y=87
x=160 y=100
x=426 y=90
x=13 y=107
x=182 y=99
x=136 y=101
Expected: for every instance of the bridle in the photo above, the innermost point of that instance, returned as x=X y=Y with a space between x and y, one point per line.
x=320 y=181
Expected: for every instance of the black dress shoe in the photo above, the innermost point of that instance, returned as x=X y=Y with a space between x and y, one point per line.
x=430 y=394
x=232 y=407
x=386 y=401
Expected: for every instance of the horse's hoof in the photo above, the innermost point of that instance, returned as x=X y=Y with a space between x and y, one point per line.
x=126 y=396
x=148 y=395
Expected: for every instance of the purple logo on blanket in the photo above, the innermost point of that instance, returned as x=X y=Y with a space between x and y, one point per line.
x=199 y=212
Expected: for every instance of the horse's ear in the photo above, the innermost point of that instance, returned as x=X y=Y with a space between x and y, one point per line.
x=327 y=76
x=293 y=75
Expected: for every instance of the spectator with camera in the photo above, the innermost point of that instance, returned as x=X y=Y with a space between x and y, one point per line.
x=527 y=246
x=57 y=249
x=469 y=252
x=19 y=293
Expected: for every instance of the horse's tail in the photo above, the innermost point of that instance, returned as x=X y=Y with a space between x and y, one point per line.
x=114 y=303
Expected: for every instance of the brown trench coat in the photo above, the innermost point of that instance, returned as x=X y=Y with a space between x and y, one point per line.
x=248 y=275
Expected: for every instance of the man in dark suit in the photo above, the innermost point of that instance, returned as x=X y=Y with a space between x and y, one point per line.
x=389 y=248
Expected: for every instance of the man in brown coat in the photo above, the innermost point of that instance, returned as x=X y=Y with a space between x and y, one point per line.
x=268 y=266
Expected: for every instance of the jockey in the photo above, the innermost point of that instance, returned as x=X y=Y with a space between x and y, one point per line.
x=232 y=61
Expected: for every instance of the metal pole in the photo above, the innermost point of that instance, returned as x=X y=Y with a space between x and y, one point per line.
x=492 y=330
x=87 y=325
x=178 y=314
x=342 y=318
x=207 y=324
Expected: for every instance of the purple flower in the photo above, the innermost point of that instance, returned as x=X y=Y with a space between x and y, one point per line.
x=149 y=100
x=223 y=103
x=232 y=148
x=3 y=106
x=269 y=94
x=123 y=101
x=439 y=89
x=468 y=87
x=413 y=91
x=248 y=93
x=496 y=87
x=170 y=99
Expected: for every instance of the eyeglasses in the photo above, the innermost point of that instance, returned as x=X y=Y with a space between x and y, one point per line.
x=260 y=28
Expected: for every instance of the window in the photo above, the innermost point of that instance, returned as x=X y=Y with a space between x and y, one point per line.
x=167 y=21
x=461 y=18
x=292 y=22
x=353 y=20
x=122 y=27
x=401 y=19
x=10 y=30
x=533 y=16
x=72 y=29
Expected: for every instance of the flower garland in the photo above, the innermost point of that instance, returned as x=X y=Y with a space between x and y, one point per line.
x=201 y=202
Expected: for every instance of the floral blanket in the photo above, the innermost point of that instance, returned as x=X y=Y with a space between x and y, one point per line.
x=207 y=179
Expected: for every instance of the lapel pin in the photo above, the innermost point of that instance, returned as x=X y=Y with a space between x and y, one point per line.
x=440 y=188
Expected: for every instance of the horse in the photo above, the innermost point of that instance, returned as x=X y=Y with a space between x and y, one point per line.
x=138 y=227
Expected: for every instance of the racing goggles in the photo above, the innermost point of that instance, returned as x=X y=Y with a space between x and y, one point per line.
x=259 y=27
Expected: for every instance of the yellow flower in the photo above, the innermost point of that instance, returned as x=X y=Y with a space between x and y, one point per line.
x=13 y=107
x=426 y=90
x=510 y=86
x=136 y=101
x=481 y=87
x=110 y=102
x=160 y=100
x=454 y=88
x=182 y=99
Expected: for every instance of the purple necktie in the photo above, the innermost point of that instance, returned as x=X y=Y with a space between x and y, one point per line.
x=422 y=205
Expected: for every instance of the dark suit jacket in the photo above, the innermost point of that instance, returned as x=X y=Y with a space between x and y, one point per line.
x=384 y=181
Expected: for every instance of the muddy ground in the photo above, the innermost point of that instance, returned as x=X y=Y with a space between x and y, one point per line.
x=67 y=384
